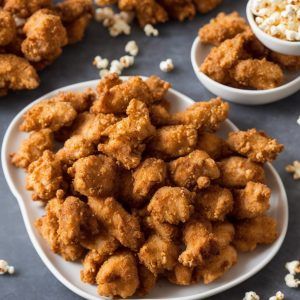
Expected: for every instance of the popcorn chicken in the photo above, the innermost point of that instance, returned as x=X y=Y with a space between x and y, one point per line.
x=159 y=114
x=8 y=28
x=32 y=148
x=181 y=275
x=179 y=9
x=256 y=145
x=158 y=87
x=205 y=6
x=147 y=280
x=223 y=233
x=288 y=62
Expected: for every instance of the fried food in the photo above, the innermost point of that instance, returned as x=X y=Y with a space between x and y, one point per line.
x=223 y=27
x=237 y=171
x=158 y=87
x=251 y=232
x=159 y=114
x=179 y=9
x=195 y=170
x=205 y=6
x=8 y=28
x=255 y=145
x=147 y=281
x=286 y=61
x=32 y=148
x=16 y=73
x=181 y=275
x=223 y=233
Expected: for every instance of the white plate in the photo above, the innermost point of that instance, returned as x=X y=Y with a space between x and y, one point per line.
x=199 y=52
x=68 y=273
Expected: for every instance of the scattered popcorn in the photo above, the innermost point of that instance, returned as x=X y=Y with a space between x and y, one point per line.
x=132 y=48
x=5 y=268
x=251 y=296
x=100 y=63
x=291 y=281
x=279 y=296
x=150 y=30
x=103 y=73
x=293 y=267
x=127 y=61
x=167 y=65
x=294 y=168
x=116 y=67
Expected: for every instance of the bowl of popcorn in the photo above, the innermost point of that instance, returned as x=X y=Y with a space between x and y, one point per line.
x=276 y=23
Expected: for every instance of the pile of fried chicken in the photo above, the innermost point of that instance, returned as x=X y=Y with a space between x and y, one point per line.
x=136 y=192
x=239 y=59
x=32 y=35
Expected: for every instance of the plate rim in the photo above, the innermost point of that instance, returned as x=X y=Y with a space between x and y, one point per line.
x=29 y=228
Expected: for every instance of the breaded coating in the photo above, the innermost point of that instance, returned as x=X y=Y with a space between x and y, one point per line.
x=205 y=6
x=214 y=203
x=117 y=98
x=179 y=9
x=147 y=281
x=8 y=28
x=25 y=8
x=217 y=265
x=251 y=232
x=45 y=36
x=195 y=170
x=181 y=275
x=125 y=140
x=91 y=265
x=45 y=177
x=108 y=82
x=213 y=145
x=118 y=276
x=199 y=241
x=159 y=115
x=16 y=73
x=173 y=141
x=75 y=148
x=252 y=201
x=118 y=222
x=94 y=176
x=223 y=27
x=171 y=205
x=223 y=233
x=158 y=87
x=288 y=62
x=259 y=74
x=256 y=145
x=237 y=171
x=32 y=148
x=158 y=255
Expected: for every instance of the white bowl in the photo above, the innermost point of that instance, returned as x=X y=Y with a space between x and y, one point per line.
x=68 y=273
x=199 y=52
x=275 y=44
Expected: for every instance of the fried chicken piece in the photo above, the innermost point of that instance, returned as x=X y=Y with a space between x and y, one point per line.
x=16 y=73
x=252 y=201
x=237 y=171
x=195 y=170
x=199 y=241
x=159 y=115
x=181 y=275
x=91 y=265
x=217 y=265
x=158 y=255
x=8 y=28
x=179 y=9
x=171 y=205
x=173 y=141
x=118 y=222
x=214 y=203
x=108 y=82
x=213 y=145
x=94 y=176
x=45 y=177
x=223 y=27
x=147 y=11
x=25 y=8
x=147 y=281
x=256 y=145
x=288 y=62
x=125 y=140
x=259 y=74
x=158 y=87
x=116 y=99
x=45 y=37
x=205 y=6
x=118 y=276
x=223 y=233
x=251 y=232
x=32 y=148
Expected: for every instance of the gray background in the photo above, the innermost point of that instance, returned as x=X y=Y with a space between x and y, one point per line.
x=32 y=279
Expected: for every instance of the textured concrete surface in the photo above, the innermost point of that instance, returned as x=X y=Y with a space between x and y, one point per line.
x=32 y=279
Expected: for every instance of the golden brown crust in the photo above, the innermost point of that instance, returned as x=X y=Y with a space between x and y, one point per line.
x=8 y=28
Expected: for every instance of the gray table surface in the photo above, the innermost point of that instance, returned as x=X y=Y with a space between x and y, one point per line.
x=32 y=279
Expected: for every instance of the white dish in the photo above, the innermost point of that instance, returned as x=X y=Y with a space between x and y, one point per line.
x=275 y=44
x=68 y=273
x=242 y=96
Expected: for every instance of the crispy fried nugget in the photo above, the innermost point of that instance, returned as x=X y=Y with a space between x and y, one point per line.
x=45 y=36
x=251 y=232
x=195 y=170
x=286 y=61
x=159 y=115
x=94 y=176
x=118 y=276
x=126 y=139
x=158 y=255
x=158 y=87
x=45 y=177
x=147 y=281
x=171 y=205
x=252 y=201
x=118 y=222
x=181 y=275
x=108 y=82
x=16 y=73
x=179 y=9
x=32 y=148
x=256 y=145
x=8 y=28
x=205 y=6
x=237 y=171
x=214 y=203
x=223 y=233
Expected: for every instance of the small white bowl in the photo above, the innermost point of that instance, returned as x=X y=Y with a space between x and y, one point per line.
x=242 y=96
x=275 y=44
